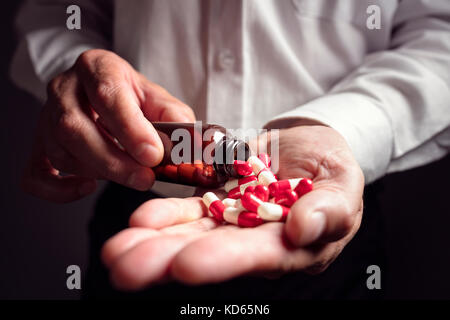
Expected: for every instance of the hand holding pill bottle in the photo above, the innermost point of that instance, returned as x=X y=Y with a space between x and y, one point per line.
x=198 y=155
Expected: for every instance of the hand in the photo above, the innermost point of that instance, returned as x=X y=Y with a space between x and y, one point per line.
x=91 y=106
x=174 y=238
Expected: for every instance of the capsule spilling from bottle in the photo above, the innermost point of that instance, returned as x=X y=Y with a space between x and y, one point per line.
x=252 y=201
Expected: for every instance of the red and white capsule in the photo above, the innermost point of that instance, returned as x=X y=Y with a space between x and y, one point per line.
x=251 y=202
x=242 y=218
x=228 y=202
x=265 y=176
x=232 y=203
x=250 y=189
x=287 y=198
x=237 y=192
x=261 y=191
x=304 y=186
x=264 y=157
x=256 y=164
x=238 y=204
x=272 y=212
x=214 y=205
x=242 y=168
x=279 y=187
x=233 y=183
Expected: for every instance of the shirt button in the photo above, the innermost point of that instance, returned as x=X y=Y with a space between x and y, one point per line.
x=226 y=59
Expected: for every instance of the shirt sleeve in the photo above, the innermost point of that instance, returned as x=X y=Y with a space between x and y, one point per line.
x=47 y=47
x=394 y=109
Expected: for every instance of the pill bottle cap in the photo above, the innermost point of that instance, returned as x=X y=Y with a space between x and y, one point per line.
x=226 y=152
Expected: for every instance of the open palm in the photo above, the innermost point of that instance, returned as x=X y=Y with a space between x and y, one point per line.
x=175 y=239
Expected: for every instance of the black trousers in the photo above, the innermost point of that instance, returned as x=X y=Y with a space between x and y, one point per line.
x=344 y=279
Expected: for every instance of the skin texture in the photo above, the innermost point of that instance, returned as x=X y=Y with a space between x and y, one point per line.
x=173 y=239
x=100 y=97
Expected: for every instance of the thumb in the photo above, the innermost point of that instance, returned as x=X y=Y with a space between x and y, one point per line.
x=320 y=215
x=159 y=105
x=330 y=211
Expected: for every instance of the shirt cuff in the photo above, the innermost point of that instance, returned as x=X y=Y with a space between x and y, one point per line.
x=359 y=119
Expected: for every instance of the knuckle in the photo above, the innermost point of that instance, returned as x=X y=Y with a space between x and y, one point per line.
x=67 y=127
x=85 y=59
x=53 y=86
x=94 y=59
x=57 y=89
x=57 y=86
x=105 y=90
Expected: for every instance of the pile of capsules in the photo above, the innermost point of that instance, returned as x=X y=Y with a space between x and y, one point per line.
x=258 y=196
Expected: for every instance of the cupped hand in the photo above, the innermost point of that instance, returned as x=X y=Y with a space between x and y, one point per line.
x=96 y=125
x=175 y=239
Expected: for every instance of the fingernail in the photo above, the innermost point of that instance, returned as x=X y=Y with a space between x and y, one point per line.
x=139 y=180
x=87 y=188
x=314 y=227
x=148 y=155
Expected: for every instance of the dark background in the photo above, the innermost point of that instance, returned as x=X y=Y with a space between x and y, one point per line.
x=38 y=240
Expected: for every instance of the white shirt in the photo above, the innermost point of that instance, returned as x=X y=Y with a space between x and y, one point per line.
x=265 y=62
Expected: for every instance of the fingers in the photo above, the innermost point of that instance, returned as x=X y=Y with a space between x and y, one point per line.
x=139 y=256
x=42 y=180
x=146 y=263
x=159 y=105
x=125 y=102
x=207 y=254
x=197 y=255
x=78 y=133
x=327 y=213
x=102 y=86
x=199 y=252
x=319 y=215
x=160 y=213
x=225 y=254
x=104 y=78
x=129 y=238
x=61 y=159
x=123 y=241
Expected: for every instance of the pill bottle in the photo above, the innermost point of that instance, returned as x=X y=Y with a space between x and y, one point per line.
x=198 y=154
